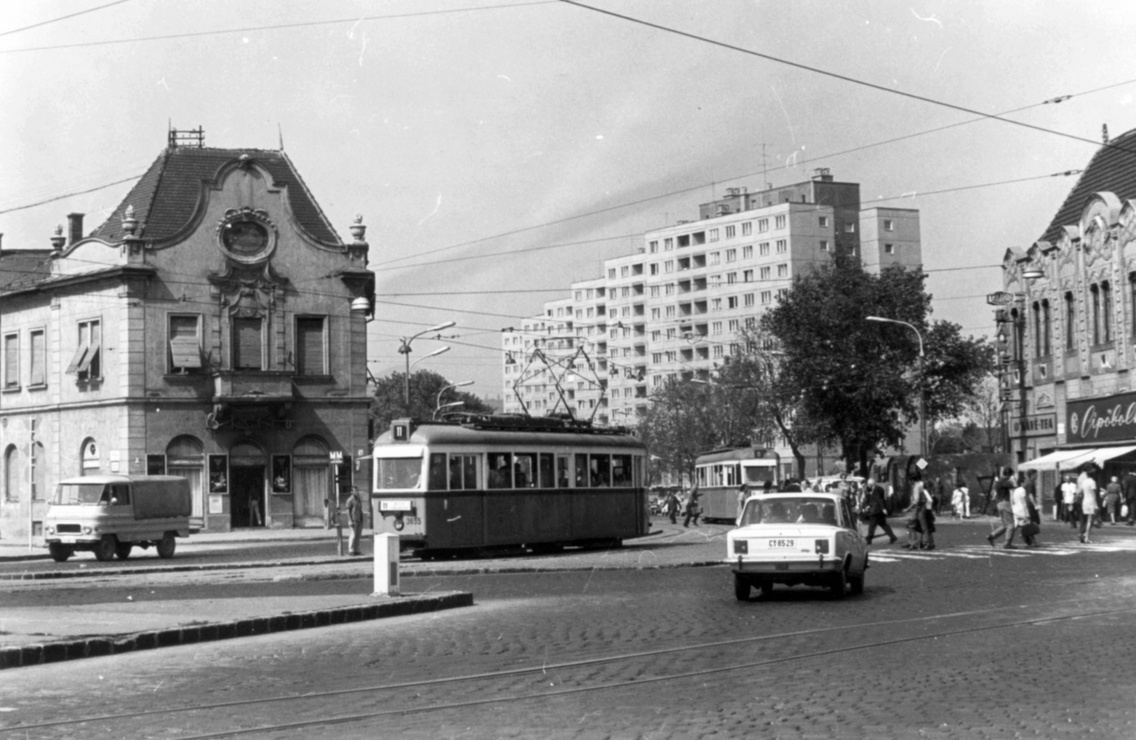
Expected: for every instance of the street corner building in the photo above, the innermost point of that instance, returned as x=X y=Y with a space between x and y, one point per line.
x=214 y=327
x=1067 y=325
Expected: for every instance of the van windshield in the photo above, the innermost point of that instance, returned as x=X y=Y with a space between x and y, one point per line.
x=78 y=493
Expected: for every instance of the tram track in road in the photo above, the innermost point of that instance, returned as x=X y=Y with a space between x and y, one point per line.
x=1056 y=613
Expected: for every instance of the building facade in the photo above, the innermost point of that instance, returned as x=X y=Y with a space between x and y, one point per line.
x=1067 y=323
x=214 y=327
x=676 y=307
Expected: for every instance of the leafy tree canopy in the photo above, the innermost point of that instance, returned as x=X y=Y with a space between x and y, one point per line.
x=858 y=381
x=425 y=386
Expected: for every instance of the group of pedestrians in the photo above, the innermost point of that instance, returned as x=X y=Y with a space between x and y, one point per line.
x=1015 y=500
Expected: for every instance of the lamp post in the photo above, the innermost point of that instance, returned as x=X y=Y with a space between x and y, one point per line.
x=438 y=400
x=405 y=350
x=922 y=388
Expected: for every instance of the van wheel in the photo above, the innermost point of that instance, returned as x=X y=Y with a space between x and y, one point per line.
x=123 y=550
x=106 y=548
x=59 y=552
x=166 y=546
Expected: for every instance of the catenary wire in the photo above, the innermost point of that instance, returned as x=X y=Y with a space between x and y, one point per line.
x=62 y=18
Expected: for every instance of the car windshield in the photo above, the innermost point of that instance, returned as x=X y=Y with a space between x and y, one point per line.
x=79 y=493
x=797 y=510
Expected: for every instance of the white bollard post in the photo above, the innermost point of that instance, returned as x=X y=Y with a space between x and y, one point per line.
x=386 y=565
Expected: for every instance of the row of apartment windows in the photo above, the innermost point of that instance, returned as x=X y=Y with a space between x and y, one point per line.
x=248 y=349
x=712 y=235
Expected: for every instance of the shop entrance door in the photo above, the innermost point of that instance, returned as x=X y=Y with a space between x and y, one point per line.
x=246 y=491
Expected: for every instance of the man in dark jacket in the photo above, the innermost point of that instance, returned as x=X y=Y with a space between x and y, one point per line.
x=1130 y=496
x=875 y=508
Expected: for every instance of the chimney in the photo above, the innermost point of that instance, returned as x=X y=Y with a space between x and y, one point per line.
x=74 y=228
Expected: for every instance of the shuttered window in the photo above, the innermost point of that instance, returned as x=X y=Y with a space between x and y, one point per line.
x=310 y=346
x=185 y=347
x=12 y=361
x=87 y=362
x=247 y=354
x=38 y=370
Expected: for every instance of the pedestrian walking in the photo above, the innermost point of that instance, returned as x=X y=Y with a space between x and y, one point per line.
x=1112 y=500
x=255 y=514
x=1090 y=507
x=921 y=526
x=693 y=509
x=1003 y=488
x=1069 y=501
x=355 y=519
x=672 y=507
x=1019 y=505
x=875 y=510
x=1130 y=497
x=960 y=501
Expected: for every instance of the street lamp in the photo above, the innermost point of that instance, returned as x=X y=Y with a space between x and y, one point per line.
x=922 y=389
x=405 y=350
x=438 y=400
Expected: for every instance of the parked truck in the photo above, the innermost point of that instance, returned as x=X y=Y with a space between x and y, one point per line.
x=110 y=514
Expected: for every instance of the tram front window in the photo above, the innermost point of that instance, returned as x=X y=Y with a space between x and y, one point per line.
x=399 y=472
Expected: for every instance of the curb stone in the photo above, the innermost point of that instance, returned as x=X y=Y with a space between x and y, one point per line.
x=92 y=647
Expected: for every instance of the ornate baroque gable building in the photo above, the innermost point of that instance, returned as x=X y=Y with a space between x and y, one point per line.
x=1069 y=325
x=214 y=327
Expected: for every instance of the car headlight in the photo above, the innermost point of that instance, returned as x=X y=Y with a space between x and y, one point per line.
x=741 y=547
x=86 y=530
x=822 y=547
x=50 y=529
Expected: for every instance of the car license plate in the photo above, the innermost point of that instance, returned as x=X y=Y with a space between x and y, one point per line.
x=781 y=544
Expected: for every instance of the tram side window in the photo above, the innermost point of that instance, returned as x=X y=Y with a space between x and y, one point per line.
x=524 y=470
x=582 y=471
x=398 y=472
x=546 y=470
x=437 y=480
x=563 y=468
x=500 y=470
x=601 y=471
x=463 y=472
x=621 y=471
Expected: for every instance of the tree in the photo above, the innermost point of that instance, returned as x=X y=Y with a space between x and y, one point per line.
x=857 y=381
x=680 y=423
x=388 y=402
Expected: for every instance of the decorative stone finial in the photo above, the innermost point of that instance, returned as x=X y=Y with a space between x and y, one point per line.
x=129 y=223
x=357 y=228
x=57 y=239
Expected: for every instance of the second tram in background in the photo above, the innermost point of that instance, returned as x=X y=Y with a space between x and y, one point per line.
x=719 y=473
x=486 y=483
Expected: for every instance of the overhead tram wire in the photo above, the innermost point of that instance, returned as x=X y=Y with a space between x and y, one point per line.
x=844 y=78
x=62 y=18
x=276 y=27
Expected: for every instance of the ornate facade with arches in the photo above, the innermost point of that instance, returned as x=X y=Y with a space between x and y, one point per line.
x=1069 y=324
x=211 y=324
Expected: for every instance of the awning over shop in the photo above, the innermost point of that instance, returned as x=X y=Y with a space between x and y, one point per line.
x=1069 y=459
x=1053 y=459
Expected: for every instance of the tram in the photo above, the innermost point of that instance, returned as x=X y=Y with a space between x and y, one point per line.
x=719 y=473
x=476 y=483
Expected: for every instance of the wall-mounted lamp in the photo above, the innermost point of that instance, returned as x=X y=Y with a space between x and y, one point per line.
x=361 y=304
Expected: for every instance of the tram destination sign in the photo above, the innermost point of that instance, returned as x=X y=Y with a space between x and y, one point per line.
x=1000 y=298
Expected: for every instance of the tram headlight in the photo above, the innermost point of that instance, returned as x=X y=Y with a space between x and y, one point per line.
x=398 y=523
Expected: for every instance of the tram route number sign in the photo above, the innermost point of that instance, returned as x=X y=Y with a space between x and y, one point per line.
x=336 y=457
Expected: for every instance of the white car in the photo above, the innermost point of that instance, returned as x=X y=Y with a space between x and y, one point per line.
x=797 y=538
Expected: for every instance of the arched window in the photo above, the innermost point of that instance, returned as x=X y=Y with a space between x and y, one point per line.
x=13 y=473
x=311 y=479
x=90 y=458
x=185 y=456
x=246 y=455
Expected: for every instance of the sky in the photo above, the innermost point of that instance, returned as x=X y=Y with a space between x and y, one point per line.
x=500 y=150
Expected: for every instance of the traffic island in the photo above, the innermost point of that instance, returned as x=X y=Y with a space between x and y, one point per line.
x=17 y=656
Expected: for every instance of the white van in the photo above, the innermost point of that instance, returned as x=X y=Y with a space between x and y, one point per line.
x=110 y=514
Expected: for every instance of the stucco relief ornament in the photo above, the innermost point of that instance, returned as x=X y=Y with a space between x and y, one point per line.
x=246 y=236
x=1095 y=245
x=1043 y=400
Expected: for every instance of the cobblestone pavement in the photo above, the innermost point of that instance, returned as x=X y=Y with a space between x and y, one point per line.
x=965 y=642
